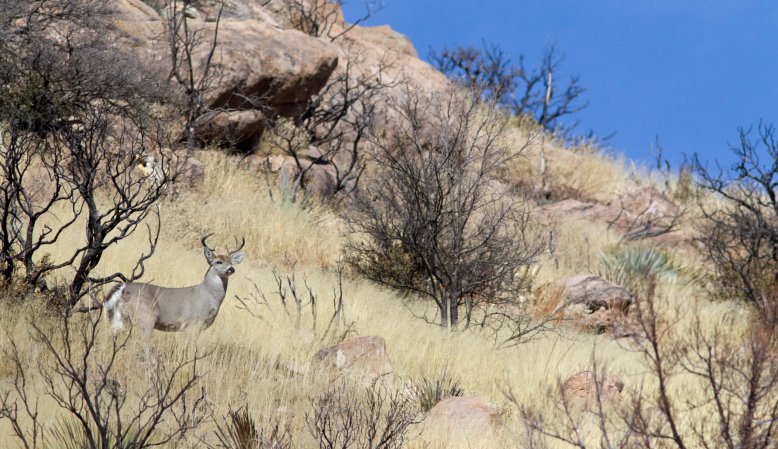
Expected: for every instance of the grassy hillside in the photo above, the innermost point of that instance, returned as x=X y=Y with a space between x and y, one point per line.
x=265 y=364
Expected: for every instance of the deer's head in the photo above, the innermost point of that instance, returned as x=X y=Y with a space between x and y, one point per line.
x=223 y=265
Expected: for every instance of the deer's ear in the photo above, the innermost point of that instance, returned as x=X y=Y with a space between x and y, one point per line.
x=237 y=257
x=208 y=254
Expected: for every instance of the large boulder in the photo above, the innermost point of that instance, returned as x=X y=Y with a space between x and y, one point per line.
x=282 y=67
x=363 y=356
x=261 y=69
x=464 y=421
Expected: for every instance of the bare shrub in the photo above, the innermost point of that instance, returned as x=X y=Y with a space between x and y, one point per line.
x=435 y=200
x=740 y=233
x=79 y=371
x=194 y=63
x=373 y=418
x=335 y=122
x=290 y=301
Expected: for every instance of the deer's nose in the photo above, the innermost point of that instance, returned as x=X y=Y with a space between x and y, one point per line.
x=230 y=270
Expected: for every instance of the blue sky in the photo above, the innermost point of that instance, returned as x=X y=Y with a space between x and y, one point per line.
x=687 y=71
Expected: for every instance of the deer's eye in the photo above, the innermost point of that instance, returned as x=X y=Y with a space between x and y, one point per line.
x=218 y=262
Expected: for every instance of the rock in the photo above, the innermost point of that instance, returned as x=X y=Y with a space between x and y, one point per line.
x=462 y=421
x=253 y=162
x=386 y=38
x=238 y=10
x=593 y=292
x=364 y=356
x=588 y=301
x=256 y=60
x=581 y=389
x=232 y=126
x=601 y=320
x=642 y=213
x=138 y=26
x=319 y=179
x=283 y=67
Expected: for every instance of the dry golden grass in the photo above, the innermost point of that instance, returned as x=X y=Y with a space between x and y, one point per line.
x=265 y=363
x=585 y=173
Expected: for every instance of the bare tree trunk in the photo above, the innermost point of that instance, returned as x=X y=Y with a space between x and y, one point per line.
x=453 y=305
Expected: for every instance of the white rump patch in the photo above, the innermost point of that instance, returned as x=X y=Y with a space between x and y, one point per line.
x=112 y=307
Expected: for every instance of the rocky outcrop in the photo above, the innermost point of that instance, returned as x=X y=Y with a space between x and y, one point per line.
x=361 y=356
x=462 y=420
x=385 y=38
x=582 y=388
x=589 y=302
x=639 y=214
x=283 y=68
x=261 y=68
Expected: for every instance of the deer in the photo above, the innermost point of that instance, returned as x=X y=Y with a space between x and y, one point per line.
x=150 y=307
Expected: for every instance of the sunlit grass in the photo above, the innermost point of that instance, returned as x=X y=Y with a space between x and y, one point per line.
x=265 y=363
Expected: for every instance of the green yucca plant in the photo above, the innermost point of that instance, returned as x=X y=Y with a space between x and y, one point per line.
x=431 y=391
x=632 y=266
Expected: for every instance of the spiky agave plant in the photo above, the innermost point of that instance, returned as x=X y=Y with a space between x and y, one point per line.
x=632 y=266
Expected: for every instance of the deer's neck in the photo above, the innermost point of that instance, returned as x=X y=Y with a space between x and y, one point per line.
x=215 y=284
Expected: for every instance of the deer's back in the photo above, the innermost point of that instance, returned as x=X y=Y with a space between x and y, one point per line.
x=170 y=309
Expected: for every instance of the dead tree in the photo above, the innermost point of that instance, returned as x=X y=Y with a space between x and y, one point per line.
x=193 y=62
x=522 y=90
x=435 y=201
